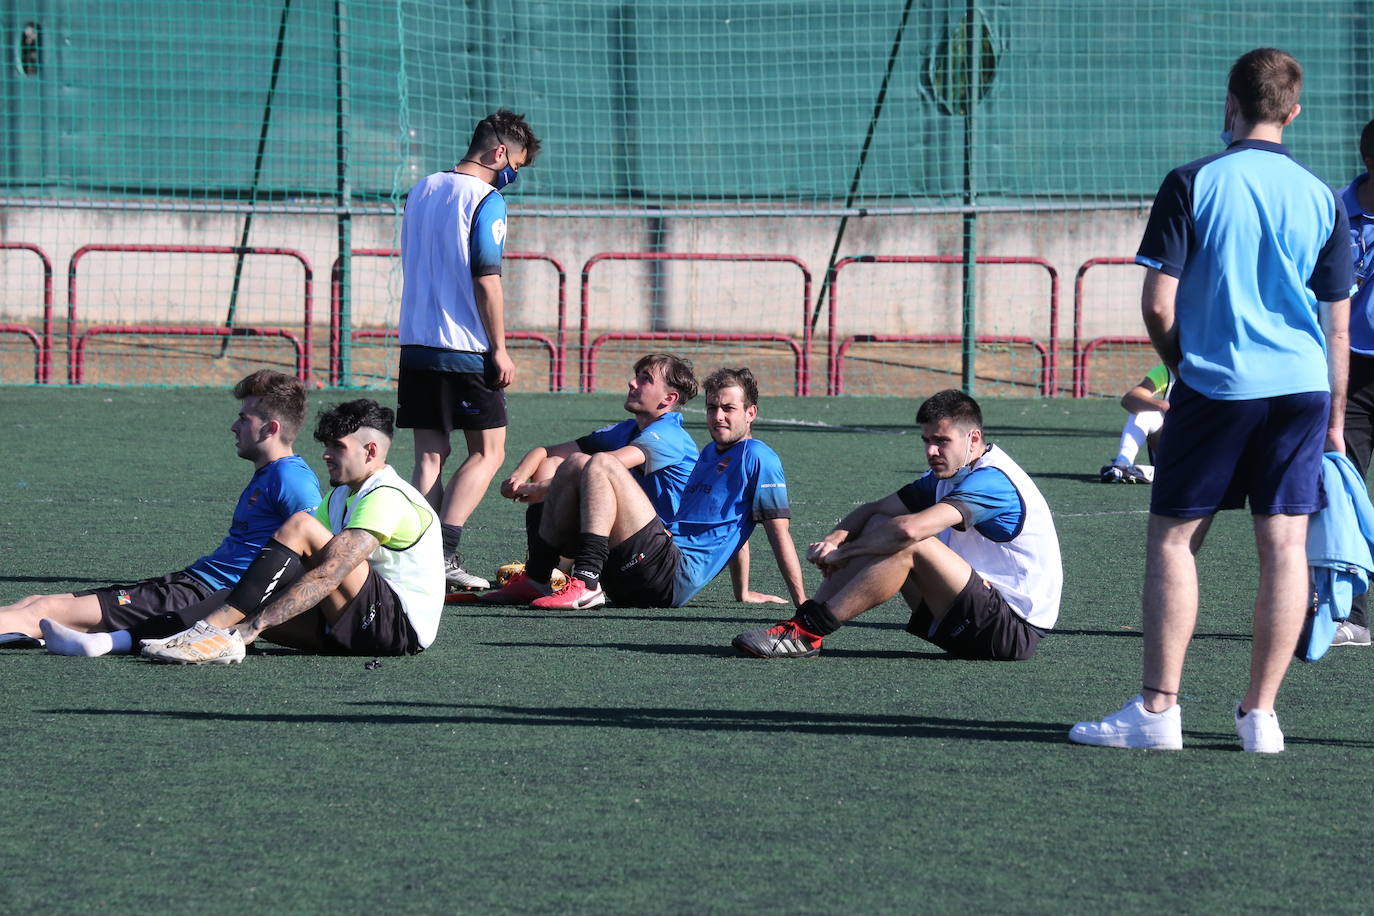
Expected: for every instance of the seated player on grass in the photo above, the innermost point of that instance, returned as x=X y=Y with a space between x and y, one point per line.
x=271 y=411
x=363 y=576
x=596 y=512
x=969 y=545
x=1145 y=405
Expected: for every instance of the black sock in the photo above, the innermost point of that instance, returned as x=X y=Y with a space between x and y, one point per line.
x=451 y=535
x=274 y=569
x=534 y=514
x=541 y=559
x=592 y=550
x=815 y=618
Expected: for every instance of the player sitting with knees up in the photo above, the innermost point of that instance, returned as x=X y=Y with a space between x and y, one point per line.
x=970 y=546
x=1145 y=404
x=652 y=444
x=364 y=576
x=113 y=619
x=596 y=512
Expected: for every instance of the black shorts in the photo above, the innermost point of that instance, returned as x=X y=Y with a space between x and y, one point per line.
x=122 y=606
x=431 y=399
x=373 y=623
x=979 y=625
x=640 y=571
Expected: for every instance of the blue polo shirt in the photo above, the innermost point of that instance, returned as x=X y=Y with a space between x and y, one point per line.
x=1362 y=256
x=669 y=456
x=1255 y=240
x=728 y=493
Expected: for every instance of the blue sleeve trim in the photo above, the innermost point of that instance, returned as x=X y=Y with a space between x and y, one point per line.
x=486 y=243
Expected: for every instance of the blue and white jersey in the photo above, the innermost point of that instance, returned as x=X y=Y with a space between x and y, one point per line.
x=454 y=229
x=276 y=492
x=669 y=456
x=728 y=493
x=1255 y=240
x=1007 y=534
x=1362 y=256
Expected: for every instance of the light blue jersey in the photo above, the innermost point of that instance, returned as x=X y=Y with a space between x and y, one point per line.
x=1362 y=255
x=728 y=493
x=276 y=492
x=1255 y=240
x=670 y=454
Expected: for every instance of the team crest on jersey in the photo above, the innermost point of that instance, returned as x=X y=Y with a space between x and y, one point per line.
x=253 y=497
x=498 y=231
x=722 y=465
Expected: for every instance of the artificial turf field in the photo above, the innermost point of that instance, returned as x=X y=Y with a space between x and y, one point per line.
x=628 y=760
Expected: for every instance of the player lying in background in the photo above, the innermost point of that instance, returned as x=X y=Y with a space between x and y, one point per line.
x=271 y=410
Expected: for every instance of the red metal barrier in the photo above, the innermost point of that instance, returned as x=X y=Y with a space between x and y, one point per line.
x=1082 y=351
x=837 y=380
x=302 y=355
x=589 y=348
x=77 y=346
x=42 y=365
x=1049 y=366
x=557 y=351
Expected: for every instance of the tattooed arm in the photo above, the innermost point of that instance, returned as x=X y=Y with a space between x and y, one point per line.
x=339 y=557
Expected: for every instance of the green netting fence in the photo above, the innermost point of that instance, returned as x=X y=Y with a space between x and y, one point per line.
x=850 y=197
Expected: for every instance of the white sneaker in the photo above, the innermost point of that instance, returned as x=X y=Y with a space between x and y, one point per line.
x=1140 y=473
x=459 y=579
x=1134 y=726
x=203 y=644
x=1259 y=731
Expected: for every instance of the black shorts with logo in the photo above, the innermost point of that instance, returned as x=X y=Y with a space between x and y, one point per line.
x=640 y=571
x=979 y=625
x=122 y=606
x=433 y=399
x=373 y=623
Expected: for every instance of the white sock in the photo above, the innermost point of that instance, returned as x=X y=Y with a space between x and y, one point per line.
x=1139 y=427
x=63 y=640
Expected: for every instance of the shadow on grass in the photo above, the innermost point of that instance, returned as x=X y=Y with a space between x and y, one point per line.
x=522 y=613
x=722 y=651
x=61 y=579
x=693 y=720
x=653 y=719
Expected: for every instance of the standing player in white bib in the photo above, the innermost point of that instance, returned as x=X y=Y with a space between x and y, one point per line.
x=454 y=365
x=970 y=546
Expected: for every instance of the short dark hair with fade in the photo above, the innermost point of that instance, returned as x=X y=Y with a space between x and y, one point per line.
x=677 y=373
x=504 y=126
x=1367 y=141
x=281 y=397
x=347 y=418
x=1266 y=83
x=740 y=378
x=951 y=404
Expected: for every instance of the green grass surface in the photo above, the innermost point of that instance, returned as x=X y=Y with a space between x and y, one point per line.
x=627 y=760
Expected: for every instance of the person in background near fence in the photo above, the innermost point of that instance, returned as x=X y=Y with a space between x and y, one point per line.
x=1358 y=198
x=1246 y=296
x=596 y=513
x=454 y=364
x=1146 y=404
x=362 y=576
x=112 y=619
x=970 y=546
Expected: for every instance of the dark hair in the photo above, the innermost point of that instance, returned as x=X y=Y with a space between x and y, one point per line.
x=504 y=126
x=1367 y=141
x=951 y=404
x=733 y=378
x=281 y=397
x=677 y=372
x=347 y=418
x=1266 y=83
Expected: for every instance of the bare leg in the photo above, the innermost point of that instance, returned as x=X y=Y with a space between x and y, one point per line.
x=486 y=453
x=613 y=503
x=432 y=449
x=927 y=571
x=80 y=613
x=1169 y=604
x=1280 y=606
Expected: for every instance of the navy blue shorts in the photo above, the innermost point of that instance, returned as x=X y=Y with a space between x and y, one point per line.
x=1215 y=455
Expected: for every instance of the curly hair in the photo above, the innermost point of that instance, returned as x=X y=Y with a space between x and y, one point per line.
x=740 y=378
x=347 y=418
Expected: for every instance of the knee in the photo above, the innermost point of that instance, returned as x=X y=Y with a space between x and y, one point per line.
x=433 y=458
